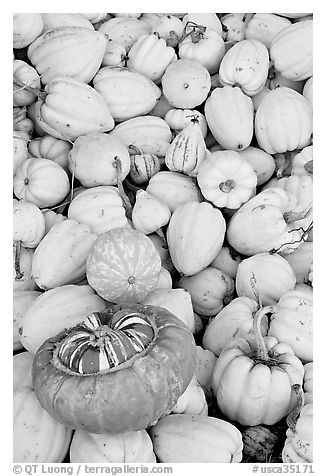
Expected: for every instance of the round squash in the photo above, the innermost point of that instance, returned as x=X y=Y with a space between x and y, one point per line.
x=51 y=148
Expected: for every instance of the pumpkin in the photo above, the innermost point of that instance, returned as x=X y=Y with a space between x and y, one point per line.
x=164 y=279
x=187 y=150
x=210 y=290
x=234 y=320
x=149 y=214
x=186 y=83
x=126 y=384
x=245 y=64
x=125 y=30
x=249 y=231
x=70 y=108
x=26 y=27
x=176 y=301
x=98 y=159
x=227 y=261
x=283 y=121
x=226 y=179
x=300 y=186
x=308 y=91
x=127 y=447
x=212 y=440
x=51 y=218
x=275 y=80
x=292 y=322
x=21 y=301
x=178 y=119
x=173 y=188
x=302 y=163
x=205 y=364
x=101 y=208
x=115 y=54
x=22 y=370
x=192 y=401
x=191 y=251
x=150 y=56
x=264 y=27
x=150 y=134
x=298 y=446
x=291 y=51
x=20 y=151
x=55 y=20
x=233 y=130
x=208 y=20
x=24 y=74
x=23 y=279
x=262 y=162
x=274 y=277
x=143 y=166
x=202 y=44
x=300 y=261
x=32 y=427
x=123 y=266
x=55 y=265
x=235 y=26
x=56 y=309
x=51 y=148
x=308 y=384
x=127 y=92
x=167 y=25
x=28 y=224
x=21 y=122
x=263 y=371
x=72 y=51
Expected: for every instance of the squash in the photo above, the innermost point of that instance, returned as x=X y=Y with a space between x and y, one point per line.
x=127 y=447
x=192 y=401
x=55 y=310
x=149 y=214
x=20 y=151
x=101 y=208
x=245 y=64
x=123 y=266
x=234 y=320
x=308 y=91
x=143 y=166
x=283 y=121
x=128 y=93
x=56 y=20
x=161 y=246
x=292 y=321
x=51 y=148
x=300 y=261
x=51 y=218
x=212 y=440
x=191 y=251
x=176 y=301
x=308 y=384
x=298 y=446
x=210 y=290
x=95 y=18
x=115 y=54
x=164 y=279
x=233 y=130
x=23 y=74
x=178 y=119
x=266 y=374
x=205 y=364
x=262 y=162
x=186 y=83
x=150 y=134
x=187 y=150
x=275 y=80
x=227 y=261
x=174 y=188
x=99 y=159
x=273 y=274
x=150 y=56
x=226 y=179
x=70 y=108
x=55 y=265
x=202 y=44
x=32 y=427
x=264 y=27
x=235 y=26
x=22 y=370
x=146 y=363
x=42 y=182
x=249 y=231
x=208 y=20
x=72 y=51
x=23 y=279
x=125 y=30
x=21 y=301
x=299 y=186
x=291 y=51
x=21 y=122
x=166 y=26
x=28 y=224
x=302 y=163
x=26 y=27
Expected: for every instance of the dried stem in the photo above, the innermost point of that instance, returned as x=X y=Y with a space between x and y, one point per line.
x=19 y=274
x=295 y=413
x=126 y=202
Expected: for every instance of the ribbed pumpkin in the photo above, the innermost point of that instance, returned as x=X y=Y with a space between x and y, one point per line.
x=72 y=51
x=150 y=134
x=192 y=401
x=226 y=179
x=128 y=447
x=273 y=274
x=26 y=27
x=174 y=188
x=128 y=93
x=70 y=108
x=23 y=73
x=262 y=162
x=21 y=301
x=42 y=182
x=233 y=130
x=28 y=224
x=55 y=265
x=212 y=440
x=51 y=148
x=149 y=213
x=291 y=51
x=195 y=235
x=125 y=30
x=22 y=370
x=245 y=64
x=143 y=166
x=32 y=427
x=298 y=446
x=55 y=310
x=283 y=121
x=123 y=266
x=265 y=26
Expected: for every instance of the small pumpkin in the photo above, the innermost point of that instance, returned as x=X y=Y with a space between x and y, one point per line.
x=143 y=166
x=227 y=261
x=22 y=370
x=300 y=261
x=205 y=364
x=125 y=30
x=192 y=401
x=166 y=25
x=149 y=214
x=265 y=26
x=235 y=26
x=21 y=301
x=24 y=74
x=28 y=224
x=51 y=148
x=302 y=163
x=208 y=20
x=298 y=446
x=26 y=27
x=115 y=54
x=178 y=119
x=51 y=218
x=262 y=162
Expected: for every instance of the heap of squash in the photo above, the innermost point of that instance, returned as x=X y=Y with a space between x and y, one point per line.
x=162 y=258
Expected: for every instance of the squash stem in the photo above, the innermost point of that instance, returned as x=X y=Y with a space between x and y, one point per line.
x=125 y=199
x=262 y=352
x=40 y=94
x=19 y=273
x=293 y=416
x=160 y=233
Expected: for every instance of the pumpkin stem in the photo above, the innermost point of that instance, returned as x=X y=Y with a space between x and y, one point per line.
x=291 y=217
x=19 y=273
x=172 y=40
x=253 y=284
x=125 y=199
x=136 y=149
x=305 y=232
x=309 y=167
x=262 y=352
x=227 y=186
x=292 y=417
x=30 y=89
x=160 y=233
